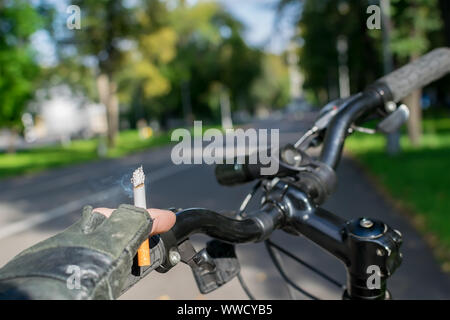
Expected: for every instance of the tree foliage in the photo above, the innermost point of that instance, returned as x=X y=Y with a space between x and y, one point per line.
x=199 y=52
x=271 y=88
x=416 y=29
x=18 y=70
x=413 y=25
x=321 y=23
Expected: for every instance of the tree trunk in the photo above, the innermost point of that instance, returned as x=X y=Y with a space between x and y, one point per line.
x=12 y=141
x=414 y=103
x=415 y=117
x=225 y=110
x=107 y=90
x=445 y=10
x=186 y=103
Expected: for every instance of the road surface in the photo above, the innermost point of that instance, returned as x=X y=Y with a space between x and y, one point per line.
x=36 y=207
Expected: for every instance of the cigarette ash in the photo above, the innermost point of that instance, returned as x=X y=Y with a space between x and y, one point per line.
x=138 y=177
x=125 y=182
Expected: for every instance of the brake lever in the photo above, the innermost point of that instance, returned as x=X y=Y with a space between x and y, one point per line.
x=320 y=124
x=394 y=121
x=326 y=114
x=389 y=124
x=212 y=266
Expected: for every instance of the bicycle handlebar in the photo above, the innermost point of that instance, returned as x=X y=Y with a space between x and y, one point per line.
x=392 y=87
x=199 y=220
x=337 y=131
x=288 y=208
x=292 y=210
x=417 y=73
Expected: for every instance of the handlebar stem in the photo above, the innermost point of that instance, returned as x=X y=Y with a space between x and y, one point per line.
x=366 y=246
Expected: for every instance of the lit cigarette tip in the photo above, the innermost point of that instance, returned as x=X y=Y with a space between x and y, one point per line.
x=138 y=177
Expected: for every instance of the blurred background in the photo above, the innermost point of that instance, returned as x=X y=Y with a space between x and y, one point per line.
x=90 y=89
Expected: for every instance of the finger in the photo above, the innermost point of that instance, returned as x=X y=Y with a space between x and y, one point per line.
x=104 y=211
x=163 y=220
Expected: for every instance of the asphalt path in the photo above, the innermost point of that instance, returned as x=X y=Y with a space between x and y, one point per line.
x=35 y=207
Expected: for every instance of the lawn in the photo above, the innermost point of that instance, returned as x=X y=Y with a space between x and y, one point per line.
x=38 y=159
x=78 y=151
x=419 y=177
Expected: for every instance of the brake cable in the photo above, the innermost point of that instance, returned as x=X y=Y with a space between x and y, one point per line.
x=277 y=260
x=273 y=255
x=305 y=264
x=241 y=214
x=280 y=269
x=244 y=287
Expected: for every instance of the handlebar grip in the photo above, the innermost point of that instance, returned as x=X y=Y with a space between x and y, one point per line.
x=232 y=174
x=418 y=73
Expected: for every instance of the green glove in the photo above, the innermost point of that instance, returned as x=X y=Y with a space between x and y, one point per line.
x=92 y=259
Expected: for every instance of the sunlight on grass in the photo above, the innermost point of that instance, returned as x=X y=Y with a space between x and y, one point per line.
x=38 y=159
x=419 y=176
x=78 y=151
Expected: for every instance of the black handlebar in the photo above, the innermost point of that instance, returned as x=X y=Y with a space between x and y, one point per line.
x=233 y=174
x=199 y=220
x=392 y=87
x=288 y=208
x=359 y=243
x=236 y=173
x=337 y=131
x=417 y=74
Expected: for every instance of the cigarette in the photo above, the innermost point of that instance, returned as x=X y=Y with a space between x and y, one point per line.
x=138 y=181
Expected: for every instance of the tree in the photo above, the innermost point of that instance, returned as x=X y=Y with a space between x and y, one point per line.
x=271 y=88
x=204 y=56
x=321 y=24
x=19 y=20
x=445 y=11
x=413 y=21
x=109 y=32
x=212 y=55
x=414 y=27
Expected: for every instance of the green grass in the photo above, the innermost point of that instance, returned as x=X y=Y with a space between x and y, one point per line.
x=419 y=177
x=38 y=159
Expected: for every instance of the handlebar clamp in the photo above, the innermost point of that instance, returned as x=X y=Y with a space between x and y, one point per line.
x=374 y=255
x=369 y=248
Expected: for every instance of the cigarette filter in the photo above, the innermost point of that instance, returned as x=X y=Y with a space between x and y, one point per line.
x=138 y=181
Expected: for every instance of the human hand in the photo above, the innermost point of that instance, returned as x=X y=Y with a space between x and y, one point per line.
x=101 y=245
x=163 y=220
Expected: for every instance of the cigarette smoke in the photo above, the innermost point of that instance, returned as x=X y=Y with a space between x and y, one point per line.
x=120 y=180
x=125 y=184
